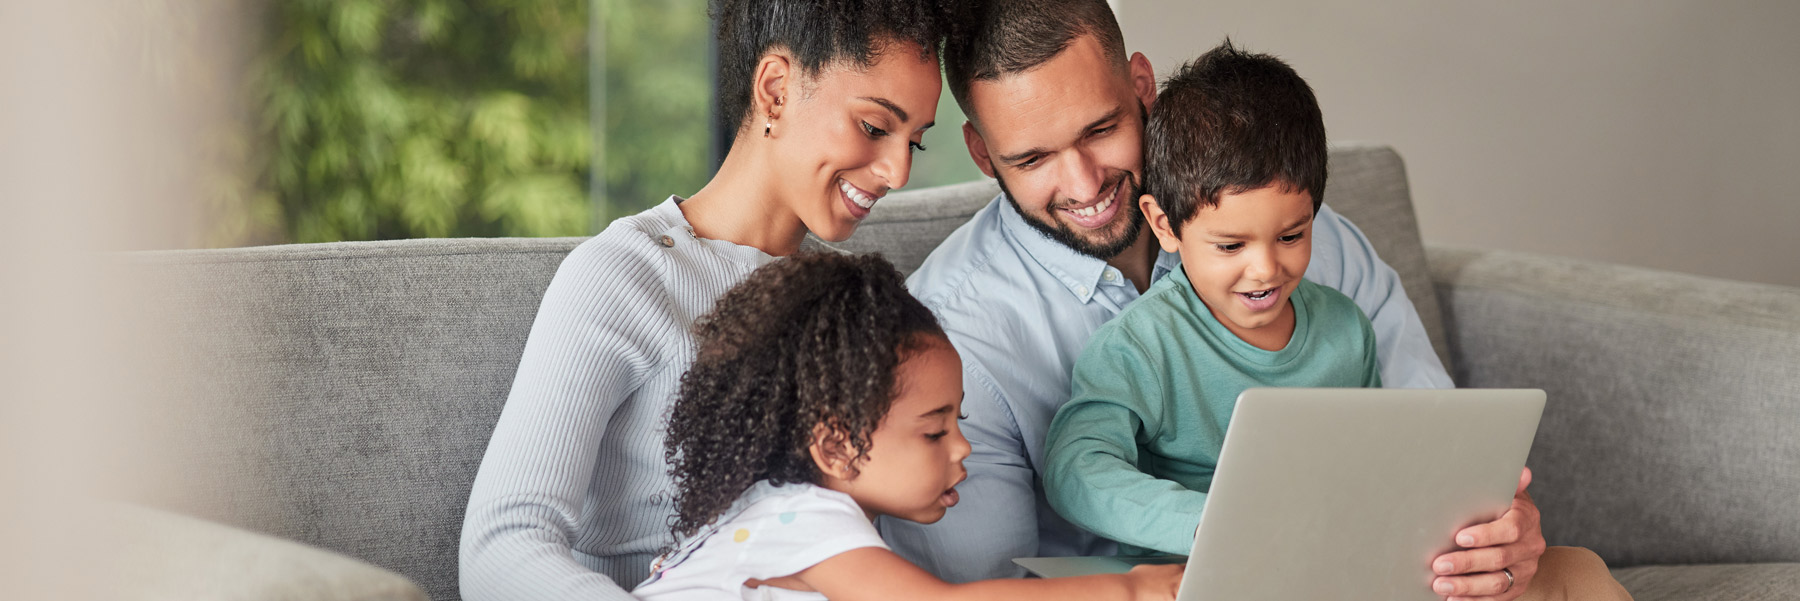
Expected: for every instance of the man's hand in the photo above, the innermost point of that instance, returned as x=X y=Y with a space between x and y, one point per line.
x=1514 y=542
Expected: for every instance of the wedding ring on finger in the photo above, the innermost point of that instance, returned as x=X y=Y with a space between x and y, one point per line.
x=1509 y=579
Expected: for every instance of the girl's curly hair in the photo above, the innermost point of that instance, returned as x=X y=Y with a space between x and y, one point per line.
x=810 y=340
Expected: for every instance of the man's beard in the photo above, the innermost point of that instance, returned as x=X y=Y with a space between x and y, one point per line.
x=1104 y=250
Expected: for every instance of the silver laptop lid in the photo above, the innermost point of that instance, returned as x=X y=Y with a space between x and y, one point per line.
x=1350 y=493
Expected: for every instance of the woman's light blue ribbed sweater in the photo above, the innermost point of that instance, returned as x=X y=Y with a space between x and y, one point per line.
x=573 y=496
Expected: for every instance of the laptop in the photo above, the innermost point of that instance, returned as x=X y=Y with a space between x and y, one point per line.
x=1325 y=493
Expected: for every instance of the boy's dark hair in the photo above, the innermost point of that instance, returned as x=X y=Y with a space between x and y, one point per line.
x=1230 y=122
x=817 y=33
x=1003 y=37
x=807 y=341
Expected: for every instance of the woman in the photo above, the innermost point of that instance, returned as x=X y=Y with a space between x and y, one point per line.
x=828 y=99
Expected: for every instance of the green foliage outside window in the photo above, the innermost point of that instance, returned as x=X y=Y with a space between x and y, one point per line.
x=383 y=119
x=378 y=119
x=658 y=109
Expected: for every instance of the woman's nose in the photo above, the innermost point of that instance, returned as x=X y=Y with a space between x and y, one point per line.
x=895 y=166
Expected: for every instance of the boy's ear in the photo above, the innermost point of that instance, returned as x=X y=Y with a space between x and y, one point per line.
x=978 y=149
x=830 y=451
x=1159 y=224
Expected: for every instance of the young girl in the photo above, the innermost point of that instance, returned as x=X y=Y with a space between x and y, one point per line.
x=822 y=396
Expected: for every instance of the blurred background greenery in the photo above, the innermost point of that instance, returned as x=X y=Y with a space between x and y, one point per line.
x=383 y=119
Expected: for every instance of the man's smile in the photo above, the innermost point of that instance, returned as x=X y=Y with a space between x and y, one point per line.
x=1098 y=213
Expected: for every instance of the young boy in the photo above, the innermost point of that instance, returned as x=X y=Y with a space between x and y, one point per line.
x=1234 y=168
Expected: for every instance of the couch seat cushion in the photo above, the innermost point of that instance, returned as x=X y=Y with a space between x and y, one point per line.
x=1737 y=582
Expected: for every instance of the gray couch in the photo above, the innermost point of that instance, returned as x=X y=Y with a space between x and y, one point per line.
x=341 y=395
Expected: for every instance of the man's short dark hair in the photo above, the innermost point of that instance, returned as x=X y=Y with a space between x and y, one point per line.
x=818 y=33
x=1230 y=122
x=1003 y=37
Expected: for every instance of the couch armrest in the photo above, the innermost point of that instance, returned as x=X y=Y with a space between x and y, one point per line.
x=168 y=556
x=1672 y=431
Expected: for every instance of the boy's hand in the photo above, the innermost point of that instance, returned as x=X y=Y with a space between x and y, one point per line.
x=1513 y=542
x=1155 y=582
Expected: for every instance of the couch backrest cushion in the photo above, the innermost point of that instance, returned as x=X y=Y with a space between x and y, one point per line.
x=345 y=392
x=1672 y=430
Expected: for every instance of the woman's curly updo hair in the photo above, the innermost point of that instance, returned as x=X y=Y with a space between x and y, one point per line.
x=807 y=341
x=817 y=33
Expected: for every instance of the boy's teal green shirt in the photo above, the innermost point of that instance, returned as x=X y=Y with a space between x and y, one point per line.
x=1132 y=454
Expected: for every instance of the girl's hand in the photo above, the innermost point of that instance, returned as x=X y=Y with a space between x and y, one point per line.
x=1155 y=582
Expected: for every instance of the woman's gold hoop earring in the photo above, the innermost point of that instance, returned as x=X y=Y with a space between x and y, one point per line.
x=770 y=124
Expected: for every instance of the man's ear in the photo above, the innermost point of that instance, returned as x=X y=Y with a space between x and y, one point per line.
x=1143 y=80
x=771 y=84
x=830 y=451
x=978 y=149
x=1159 y=224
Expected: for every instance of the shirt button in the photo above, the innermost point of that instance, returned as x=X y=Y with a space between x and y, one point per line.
x=1108 y=276
x=667 y=241
x=1081 y=291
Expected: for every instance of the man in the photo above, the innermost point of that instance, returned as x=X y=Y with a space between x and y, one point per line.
x=1056 y=115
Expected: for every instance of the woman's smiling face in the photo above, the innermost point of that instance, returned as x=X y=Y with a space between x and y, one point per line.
x=847 y=136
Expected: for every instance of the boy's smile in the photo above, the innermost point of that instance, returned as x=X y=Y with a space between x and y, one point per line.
x=1244 y=257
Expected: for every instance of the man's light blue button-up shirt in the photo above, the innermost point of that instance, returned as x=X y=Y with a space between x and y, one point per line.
x=1020 y=307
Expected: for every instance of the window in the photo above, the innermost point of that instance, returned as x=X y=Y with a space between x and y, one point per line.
x=382 y=119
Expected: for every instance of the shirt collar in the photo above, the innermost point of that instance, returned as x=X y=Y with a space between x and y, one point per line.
x=1165 y=262
x=677 y=228
x=1078 y=272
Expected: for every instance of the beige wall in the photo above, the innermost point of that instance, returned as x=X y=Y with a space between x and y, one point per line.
x=1657 y=133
